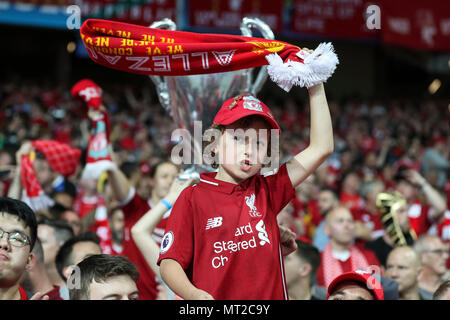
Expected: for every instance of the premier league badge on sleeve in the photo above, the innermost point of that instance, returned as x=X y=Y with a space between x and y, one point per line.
x=166 y=242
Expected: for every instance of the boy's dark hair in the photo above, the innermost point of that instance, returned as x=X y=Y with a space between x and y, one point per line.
x=23 y=212
x=64 y=256
x=310 y=254
x=99 y=268
x=62 y=230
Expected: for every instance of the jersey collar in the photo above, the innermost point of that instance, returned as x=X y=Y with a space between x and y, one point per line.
x=208 y=181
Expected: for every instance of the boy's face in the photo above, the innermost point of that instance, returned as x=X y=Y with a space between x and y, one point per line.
x=242 y=150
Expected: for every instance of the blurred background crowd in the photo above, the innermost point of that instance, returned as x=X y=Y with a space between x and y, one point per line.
x=389 y=105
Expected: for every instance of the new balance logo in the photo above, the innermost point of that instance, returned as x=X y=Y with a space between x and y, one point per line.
x=214 y=223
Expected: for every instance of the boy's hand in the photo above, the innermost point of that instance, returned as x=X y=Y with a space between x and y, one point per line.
x=287 y=238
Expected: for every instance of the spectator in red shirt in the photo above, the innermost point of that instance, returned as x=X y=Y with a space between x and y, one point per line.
x=341 y=255
x=114 y=244
x=35 y=279
x=421 y=214
x=134 y=207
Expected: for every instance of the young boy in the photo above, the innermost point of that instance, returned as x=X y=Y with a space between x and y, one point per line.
x=222 y=239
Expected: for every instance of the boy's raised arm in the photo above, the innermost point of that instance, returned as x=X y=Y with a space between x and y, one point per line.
x=321 y=138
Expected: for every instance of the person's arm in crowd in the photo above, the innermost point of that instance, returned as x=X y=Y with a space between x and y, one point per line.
x=143 y=229
x=15 y=190
x=434 y=199
x=119 y=183
x=321 y=138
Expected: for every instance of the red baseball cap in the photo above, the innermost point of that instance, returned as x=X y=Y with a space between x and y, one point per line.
x=242 y=106
x=367 y=279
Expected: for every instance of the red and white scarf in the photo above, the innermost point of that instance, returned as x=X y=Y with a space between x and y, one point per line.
x=332 y=268
x=151 y=51
x=61 y=157
x=98 y=157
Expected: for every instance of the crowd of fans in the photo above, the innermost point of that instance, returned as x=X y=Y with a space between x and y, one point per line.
x=381 y=146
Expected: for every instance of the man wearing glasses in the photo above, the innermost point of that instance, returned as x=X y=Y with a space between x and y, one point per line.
x=18 y=232
x=433 y=255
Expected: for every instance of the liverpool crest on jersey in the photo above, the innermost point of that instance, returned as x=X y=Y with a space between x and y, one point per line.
x=250 y=202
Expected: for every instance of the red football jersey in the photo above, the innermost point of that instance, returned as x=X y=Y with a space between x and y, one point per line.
x=443 y=227
x=23 y=294
x=226 y=236
x=133 y=209
x=419 y=218
x=371 y=220
x=346 y=265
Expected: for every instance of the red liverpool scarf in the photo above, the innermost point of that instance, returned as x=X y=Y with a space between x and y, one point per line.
x=332 y=268
x=98 y=158
x=62 y=158
x=150 y=51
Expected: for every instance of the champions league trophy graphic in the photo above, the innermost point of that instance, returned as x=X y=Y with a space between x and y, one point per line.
x=195 y=99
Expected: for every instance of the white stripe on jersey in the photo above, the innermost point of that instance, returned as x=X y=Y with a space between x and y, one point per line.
x=210 y=182
x=282 y=273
